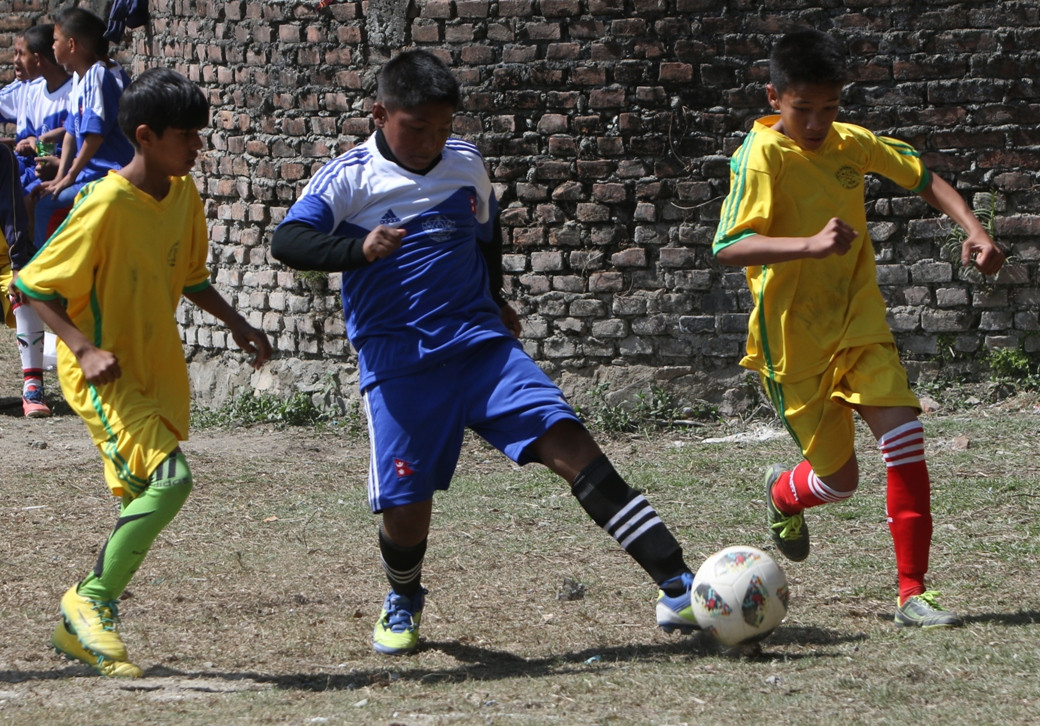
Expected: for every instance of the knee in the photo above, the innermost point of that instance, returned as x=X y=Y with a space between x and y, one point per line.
x=845 y=479
x=566 y=448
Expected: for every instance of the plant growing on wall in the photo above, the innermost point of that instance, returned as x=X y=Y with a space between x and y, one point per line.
x=986 y=209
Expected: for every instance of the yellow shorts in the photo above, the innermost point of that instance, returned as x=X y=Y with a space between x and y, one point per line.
x=6 y=276
x=817 y=411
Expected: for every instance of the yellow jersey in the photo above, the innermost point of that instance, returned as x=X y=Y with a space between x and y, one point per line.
x=806 y=310
x=120 y=262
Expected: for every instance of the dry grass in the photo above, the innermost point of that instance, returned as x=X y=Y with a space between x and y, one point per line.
x=256 y=604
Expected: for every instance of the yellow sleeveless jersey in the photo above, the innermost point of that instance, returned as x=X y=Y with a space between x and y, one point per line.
x=121 y=261
x=807 y=310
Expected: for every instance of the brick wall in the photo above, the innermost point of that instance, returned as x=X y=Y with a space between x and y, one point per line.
x=607 y=126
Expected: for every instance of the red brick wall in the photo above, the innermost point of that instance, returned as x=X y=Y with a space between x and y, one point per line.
x=606 y=125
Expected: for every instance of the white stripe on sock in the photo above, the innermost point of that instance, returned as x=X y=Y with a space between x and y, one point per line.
x=823 y=492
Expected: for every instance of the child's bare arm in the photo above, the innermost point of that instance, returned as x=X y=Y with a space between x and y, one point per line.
x=978 y=247
x=834 y=239
x=99 y=366
x=252 y=340
x=91 y=143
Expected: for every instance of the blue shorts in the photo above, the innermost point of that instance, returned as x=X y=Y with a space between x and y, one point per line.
x=416 y=422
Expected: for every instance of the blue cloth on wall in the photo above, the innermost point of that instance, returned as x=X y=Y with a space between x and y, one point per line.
x=125 y=14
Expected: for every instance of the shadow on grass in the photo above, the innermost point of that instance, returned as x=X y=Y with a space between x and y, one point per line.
x=1019 y=617
x=484 y=664
x=11 y=406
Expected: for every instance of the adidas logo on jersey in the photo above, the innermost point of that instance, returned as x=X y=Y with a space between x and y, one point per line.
x=389 y=218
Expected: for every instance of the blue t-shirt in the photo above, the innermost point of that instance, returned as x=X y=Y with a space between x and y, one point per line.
x=93 y=109
x=431 y=299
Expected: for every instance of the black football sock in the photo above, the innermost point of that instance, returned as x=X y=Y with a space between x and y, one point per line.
x=402 y=565
x=627 y=517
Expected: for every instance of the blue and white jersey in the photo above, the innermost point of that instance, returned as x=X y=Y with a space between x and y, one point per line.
x=11 y=97
x=44 y=110
x=93 y=109
x=431 y=298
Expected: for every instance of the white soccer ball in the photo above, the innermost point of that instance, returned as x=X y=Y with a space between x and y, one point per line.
x=739 y=595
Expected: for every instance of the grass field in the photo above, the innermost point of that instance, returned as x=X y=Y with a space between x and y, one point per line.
x=256 y=605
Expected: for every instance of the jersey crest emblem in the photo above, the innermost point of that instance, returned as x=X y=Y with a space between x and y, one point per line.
x=389 y=218
x=403 y=468
x=848 y=177
x=440 y=228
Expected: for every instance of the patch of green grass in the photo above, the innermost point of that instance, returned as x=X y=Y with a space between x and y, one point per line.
x=653 y=410
x=248 y=409
x=986 y=209
x=963 y=381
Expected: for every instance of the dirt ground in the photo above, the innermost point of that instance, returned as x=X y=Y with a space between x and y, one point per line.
x=256 y=604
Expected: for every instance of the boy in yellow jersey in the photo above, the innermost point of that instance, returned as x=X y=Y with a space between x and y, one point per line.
x=818 y=335
x=108 y=283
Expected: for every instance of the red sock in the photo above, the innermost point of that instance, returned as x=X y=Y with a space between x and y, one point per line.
x=909 y=504
x=800 y=489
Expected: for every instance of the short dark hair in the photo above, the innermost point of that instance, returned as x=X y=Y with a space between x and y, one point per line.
x=807 y=56
x=415 y=77
x=161 y=98
x=86 y=27
x=39 y=39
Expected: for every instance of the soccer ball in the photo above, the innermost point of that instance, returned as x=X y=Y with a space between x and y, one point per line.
x=739 y=595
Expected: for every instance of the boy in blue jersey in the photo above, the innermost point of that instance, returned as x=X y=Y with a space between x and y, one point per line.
x=410 y=218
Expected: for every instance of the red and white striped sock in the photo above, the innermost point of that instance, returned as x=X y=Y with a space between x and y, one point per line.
x=909 y=504
x=800 y=489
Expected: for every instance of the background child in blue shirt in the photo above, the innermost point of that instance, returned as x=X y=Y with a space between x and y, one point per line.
x=93 y=143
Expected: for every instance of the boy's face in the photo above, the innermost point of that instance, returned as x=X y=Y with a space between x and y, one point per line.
x=171 y=154
x=26 y=64
x=416 y=135
x=62 y=47
x=807 y=111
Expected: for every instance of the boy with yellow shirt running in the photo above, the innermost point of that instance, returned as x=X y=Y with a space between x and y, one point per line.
x=818 y=334
x=108 y=283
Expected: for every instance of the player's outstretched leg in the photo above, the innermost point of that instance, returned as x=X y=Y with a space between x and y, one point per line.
x=626 y=515
x=66 y=643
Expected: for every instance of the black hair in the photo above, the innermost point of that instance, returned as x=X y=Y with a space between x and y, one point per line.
x=161 y=98
x=807 y=56
x=86 y=27
x=39 y=39
x=416 y=77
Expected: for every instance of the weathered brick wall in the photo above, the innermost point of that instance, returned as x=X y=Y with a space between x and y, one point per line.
x=607 y=126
